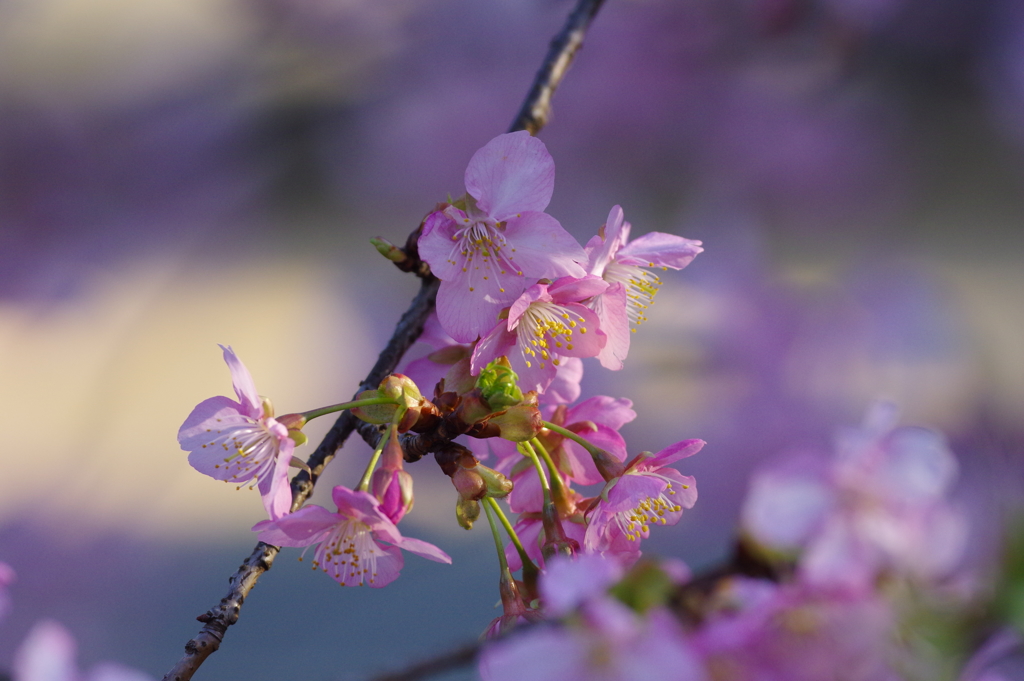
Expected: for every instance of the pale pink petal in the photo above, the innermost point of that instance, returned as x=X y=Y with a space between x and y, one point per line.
x=674 y=452
x=389 y=564
x=602 y=251
x=568 y=583
x=541 y=654
x=308 y=525
x=252 y=405
x=537 y=376
x=543 y=248
x=47 y=654
x=614 y=319
x=275 y=488
x=197 y=429
x=511 y=174
x=565 y=388
x=575 y=289
x=463 y=317
x=533 y=294
x=657 y=249
x=424 y=549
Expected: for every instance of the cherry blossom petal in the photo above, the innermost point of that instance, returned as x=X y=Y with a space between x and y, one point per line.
x=568 y=583
x=511 y=174
x=424 y=549
x=600 y=250
x=465 y=320
x=543 y=248
x=658 y=249
x=492 y=346
x=565 y=388
x=612 y=312
x=275 y=488
x=195 y=432
x=674 y=452
x=308 y=525
x=607 y=411
x=244 y=386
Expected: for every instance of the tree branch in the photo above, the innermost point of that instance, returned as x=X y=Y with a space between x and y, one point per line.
x=533 y=115
x=536 y=110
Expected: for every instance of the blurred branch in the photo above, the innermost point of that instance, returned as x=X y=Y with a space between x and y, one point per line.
x=536 y=110
x=532 y=116
x=435 y=665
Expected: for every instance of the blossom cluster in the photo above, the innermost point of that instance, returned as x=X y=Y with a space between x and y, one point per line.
x=521 y=303
x=858 y=555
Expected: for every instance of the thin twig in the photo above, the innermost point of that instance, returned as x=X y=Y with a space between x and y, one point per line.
x=532 y=116
x=536 y=110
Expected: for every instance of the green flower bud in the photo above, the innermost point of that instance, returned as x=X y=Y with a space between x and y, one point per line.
x=497 y=383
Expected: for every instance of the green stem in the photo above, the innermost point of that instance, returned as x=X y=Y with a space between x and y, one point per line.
x=364 y=482
x=557 y=486
x=527 y=563
x=594 y=451
x=497 y=536
x=314 y=413
x=531 y=453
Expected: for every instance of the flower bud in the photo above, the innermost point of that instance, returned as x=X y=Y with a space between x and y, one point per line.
x=497 y=383
x=388 y=249
x=466 y=512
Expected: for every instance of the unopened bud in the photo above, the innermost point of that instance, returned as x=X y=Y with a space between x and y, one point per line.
x=466 y=512
x=388 y=249
x=497 y=383
x=498 y=486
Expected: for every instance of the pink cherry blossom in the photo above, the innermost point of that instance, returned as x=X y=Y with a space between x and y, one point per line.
x=623 y=264
x=545 y=324
x=489 y=253
x=350 y=547
x=878 y=504
x=241 y=441
x=606 y=642
x=48 y=654
x=647 y=493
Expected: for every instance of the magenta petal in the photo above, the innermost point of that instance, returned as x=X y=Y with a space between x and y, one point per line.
x=631 y=489
x=243 y=383
x=362 y=506
x=527 y=495
x=588 y=338
x=583 y=469
x=543 y=247
x=657 y=249
x=609 y=411
x=511 y=174
x=424 y=549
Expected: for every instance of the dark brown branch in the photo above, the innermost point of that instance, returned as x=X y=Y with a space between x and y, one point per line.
x=536 y=110
x=532 y=116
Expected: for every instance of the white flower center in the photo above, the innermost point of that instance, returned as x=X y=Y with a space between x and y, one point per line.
x=481 y=249
x=349 y=554
x=544 y=329
x=641 y=287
